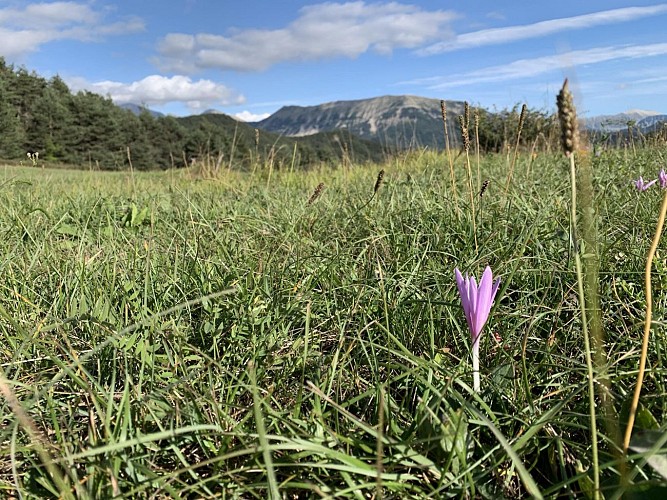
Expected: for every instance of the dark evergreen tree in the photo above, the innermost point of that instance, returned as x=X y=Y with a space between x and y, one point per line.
x=52 y=122
x=12 y=133
x=90 y=131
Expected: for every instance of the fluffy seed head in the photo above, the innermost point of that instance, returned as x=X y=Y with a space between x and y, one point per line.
x=567 y=115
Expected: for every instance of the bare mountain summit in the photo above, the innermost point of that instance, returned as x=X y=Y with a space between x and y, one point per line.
x=398 y=122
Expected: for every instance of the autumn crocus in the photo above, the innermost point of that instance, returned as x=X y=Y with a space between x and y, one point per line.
x=477 y=302
x=642 y=185
x=662 y=177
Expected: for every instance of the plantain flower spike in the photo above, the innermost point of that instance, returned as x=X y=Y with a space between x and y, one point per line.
x=567 y=116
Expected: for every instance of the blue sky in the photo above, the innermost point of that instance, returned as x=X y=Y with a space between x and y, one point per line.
x=249 y=58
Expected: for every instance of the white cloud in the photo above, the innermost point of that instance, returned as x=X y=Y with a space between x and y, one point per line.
x=48 y=15
x=526 y=68
x=320 y=31
x=508 y=34
x=24 y=29
x=156 y=90
x=247 y=116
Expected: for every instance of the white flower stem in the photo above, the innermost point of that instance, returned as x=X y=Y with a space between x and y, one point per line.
x=475 y=367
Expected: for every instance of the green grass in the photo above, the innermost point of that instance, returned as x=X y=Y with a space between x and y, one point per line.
x=181 y=338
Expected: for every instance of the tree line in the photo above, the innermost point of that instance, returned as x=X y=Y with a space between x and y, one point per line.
x=88 y=130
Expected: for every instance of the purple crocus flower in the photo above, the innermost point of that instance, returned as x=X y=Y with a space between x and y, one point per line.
x=477 y=302
x=662 y=177
x=642 y=185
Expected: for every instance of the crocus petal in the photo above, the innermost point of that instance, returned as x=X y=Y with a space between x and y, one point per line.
x=464 y=288
x=662 y=176
x=648 y=185
x=462 y=285
x=484 y=300
x=642 y=185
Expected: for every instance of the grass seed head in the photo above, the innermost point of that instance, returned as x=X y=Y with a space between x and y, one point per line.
x=378 y=181
x=522 y=118
x=567 y=116
x=316 y=194
x=485 y=185
x=464 y=133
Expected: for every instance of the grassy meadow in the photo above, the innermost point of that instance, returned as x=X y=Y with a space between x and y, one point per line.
x=166 y=335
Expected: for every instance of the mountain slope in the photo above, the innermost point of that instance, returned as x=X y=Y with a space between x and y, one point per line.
x=397 y=122
x=618 y=121
x=223 y=133
x=137 y=109
x=651 y=123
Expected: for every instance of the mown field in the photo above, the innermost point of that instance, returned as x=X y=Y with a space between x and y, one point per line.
x=167 y=336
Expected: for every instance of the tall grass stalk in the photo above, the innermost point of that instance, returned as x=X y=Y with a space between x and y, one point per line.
x=465 y=134
x=519 y=128
x=477 y=149
x=39 y=441
x=591 y=261
x=587 y=342
x=570 y=140
x=647 y=324
x=274 y=493
x=443 y=110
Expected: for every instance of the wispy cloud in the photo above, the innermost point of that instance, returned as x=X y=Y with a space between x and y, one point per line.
x=159 y=90
x=527 y=68
x=509 y=34
x=25 y=29
x=320 y=31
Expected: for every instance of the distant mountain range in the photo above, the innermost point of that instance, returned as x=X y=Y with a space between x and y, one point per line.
x=226 y=134
x=650 y=123
x=397 y=122
x=640 y=119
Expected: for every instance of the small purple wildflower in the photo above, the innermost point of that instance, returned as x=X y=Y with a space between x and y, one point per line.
x=662 y=177
x=642 y=185
x=477 y=302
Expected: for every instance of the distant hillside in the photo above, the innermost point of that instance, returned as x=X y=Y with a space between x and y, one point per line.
x=641 y=128
x=397 y=122
x=230 y=136
x=88 y=130
x=137 y=109
x=651 y=123
x=619 y=121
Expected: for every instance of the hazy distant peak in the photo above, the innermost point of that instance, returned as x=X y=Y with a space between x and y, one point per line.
x=137 y=109
x=641 y=112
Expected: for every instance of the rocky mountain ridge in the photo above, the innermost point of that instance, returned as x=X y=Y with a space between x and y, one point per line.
x=398 y=122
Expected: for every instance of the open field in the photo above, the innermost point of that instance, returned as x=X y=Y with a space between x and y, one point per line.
x=171 y=337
